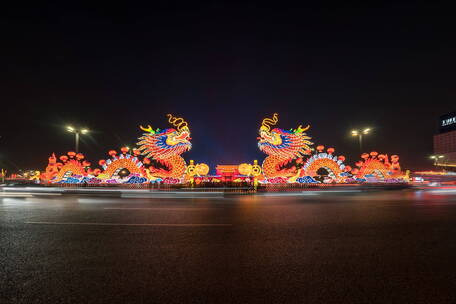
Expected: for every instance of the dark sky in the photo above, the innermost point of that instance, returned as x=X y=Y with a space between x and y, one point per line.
x=224 y=67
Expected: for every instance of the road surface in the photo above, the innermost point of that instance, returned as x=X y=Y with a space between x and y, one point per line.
x=344 y=247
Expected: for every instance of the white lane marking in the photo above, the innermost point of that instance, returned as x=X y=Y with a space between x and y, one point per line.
x=126 y=224
x=27 y=194
x=165 y=209
x=15 y=195
x=169 y=195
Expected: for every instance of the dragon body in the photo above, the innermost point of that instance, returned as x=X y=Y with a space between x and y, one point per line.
x=164 y=147
x=284 y=148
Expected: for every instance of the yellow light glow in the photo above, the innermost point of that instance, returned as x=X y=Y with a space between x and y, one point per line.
x=366 y=131
x=84 y=131
x=70 y=129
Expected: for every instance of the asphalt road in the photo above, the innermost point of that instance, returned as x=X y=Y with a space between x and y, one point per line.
x=376 y=247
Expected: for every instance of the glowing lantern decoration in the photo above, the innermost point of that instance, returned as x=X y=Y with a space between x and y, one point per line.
x=63 y=158
x=71 y=154
x=283 y=147
x=112 y=153
x=347 y=168
x=102 y=162
x=379 y=168
x=123 y=172
x=202 y=169
x=365 y=156
x=245 y=169
x=359 y=163
x=165 y=147
x=86 y=164
x=320 y=148
x=124 y=150
x=136 y=152
x=325 y=164
x=96 y=172
x=355 y=171
x=79 y=156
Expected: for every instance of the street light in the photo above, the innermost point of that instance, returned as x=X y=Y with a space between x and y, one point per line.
x=76 y=135
x=359 y=134
x=436 y=159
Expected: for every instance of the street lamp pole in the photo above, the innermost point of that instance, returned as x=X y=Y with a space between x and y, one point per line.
x=76 y=136
x=436 y=160
x=77 y=133
x=360 y=134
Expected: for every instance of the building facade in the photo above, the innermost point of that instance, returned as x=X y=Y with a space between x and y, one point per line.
x=445 y=141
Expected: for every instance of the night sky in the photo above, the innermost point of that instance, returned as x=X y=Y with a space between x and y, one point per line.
x=224 y=67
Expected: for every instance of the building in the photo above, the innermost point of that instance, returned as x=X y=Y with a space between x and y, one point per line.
x=445 y=142
x=227 y=172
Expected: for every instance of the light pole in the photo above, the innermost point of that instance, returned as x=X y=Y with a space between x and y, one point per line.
x=359 y=134
x=436 y=159
x=76 y=135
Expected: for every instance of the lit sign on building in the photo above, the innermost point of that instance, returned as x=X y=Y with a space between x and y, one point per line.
x=449 y=121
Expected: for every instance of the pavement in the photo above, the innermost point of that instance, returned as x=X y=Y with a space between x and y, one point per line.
x=314 y=247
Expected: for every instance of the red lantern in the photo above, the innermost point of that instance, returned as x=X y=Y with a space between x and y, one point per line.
x=359 y=163
x=355 y=171
x=102 y=162
x=71 y=154
x=124 y=150
x=63 y=158
x=136 y=152
x=341 y=158
x=112 y=153
x=394 y=158
x=96 y=172
x=86 y=164
x=381 y=156
x=373 y=154
x=320 y=148
x=347 y=168
x=364 y=156
x=80 y=156
x=330 y=150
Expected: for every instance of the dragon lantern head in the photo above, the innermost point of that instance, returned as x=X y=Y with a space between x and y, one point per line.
x=161 y=144
x=289 y=144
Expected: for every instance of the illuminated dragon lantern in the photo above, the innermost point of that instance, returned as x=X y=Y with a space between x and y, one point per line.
x=285 y=149
x=379 y=166
x=162 y=149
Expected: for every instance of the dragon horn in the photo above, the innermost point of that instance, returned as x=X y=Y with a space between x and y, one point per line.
x=148 y=129
x=300 y=129
x=178 y=122
x=267 y=122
